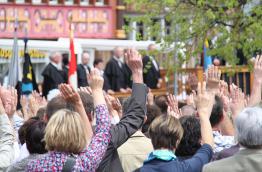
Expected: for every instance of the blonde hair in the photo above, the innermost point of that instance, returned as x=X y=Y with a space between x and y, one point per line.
x=165 y=132
x=65 y=132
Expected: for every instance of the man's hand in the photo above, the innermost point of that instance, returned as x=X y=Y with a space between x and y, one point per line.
x=213 y=79
x=96 y=81
x=134 y=62
x=122 y=90
x=10 y=101
x=173 y=109
x=204 y=101
x=159 y=83
x=2 y=109
x=238 y=101
x=192 y=81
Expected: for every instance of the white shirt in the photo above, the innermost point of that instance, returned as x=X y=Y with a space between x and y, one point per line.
x=120 y=64
x=154 y=63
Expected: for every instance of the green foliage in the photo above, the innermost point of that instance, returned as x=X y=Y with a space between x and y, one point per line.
x=192 y=21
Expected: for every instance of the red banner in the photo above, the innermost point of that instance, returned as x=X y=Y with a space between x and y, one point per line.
x=48 y=22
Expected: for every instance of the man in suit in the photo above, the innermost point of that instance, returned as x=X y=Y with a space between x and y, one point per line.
x=151 y=71
x=248 y=126
x=115 y=72
x=83 y=71
x=53 y=73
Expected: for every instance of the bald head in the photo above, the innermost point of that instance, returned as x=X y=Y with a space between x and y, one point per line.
x=85 y=58
x=118 y=52
x=56 y=57
x=151 y=47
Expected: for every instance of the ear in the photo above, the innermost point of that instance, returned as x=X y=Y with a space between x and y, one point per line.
x=45 y=118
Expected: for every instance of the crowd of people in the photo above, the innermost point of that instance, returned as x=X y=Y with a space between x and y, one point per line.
x=218 y=127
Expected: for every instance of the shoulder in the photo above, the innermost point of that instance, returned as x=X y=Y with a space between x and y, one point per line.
x=217 y=165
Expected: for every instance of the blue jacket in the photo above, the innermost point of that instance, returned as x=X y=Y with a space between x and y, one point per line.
x=194 y=164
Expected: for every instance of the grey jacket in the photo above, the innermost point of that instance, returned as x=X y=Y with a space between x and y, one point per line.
x=246 y=160
x=6 y=142
x=132 y=120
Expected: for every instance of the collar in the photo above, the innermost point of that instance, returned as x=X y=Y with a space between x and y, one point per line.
x=57 y=66
x=138 y=134
x=163 y=154
x=117 y=59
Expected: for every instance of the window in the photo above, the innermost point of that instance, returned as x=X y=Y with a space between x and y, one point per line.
x=53 y=2
x=36 y=1
x=69 y=2
x=100 y=2
x=3 y=1
x=84 y=2
x=20 y=1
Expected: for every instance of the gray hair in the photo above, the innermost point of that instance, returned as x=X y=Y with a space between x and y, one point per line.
x=249 y=126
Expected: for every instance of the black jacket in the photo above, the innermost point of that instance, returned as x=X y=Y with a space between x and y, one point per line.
x=81 y=75
x=115 y=75
x=150 y=73
x=132 y=120
x=52 y=78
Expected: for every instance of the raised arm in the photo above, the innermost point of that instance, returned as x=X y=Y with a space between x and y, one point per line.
x=255 y=96
x=97 y=148
x=6 y=139
x=204 y=103
x=133 y=116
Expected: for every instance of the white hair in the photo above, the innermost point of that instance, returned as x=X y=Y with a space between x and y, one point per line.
x=249 y=126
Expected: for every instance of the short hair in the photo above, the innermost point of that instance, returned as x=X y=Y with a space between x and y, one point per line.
x=88 y=104
x=248 y=126
x=22 y=129
x=65 y=132
x=56 y=104
x=188 y=110
x=35 y=137
x=161 y=102
x=97 y=61
x=190 y=141
x=165 y=132
x=153 y=111
x=41 y=112
x=217 y=112
x=85 y=52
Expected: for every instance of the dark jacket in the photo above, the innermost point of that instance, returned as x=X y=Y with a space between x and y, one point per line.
x=81 y=75
x=52 y=78
x=150 y=73
x=194 y=164
x=115 y=75
x=132 y=120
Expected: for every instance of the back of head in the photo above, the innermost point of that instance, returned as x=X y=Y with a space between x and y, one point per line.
x=88 y=104
x=97 y=61
x=161 y=102
x=188 y=110
x=248 y=126
x=23 y=128
x=165 y=132
x=190 y=141
x=217 y=112
x=41 y=113
x=56 y=104
x=65 y=132
x=153 y=111
x=35 y=137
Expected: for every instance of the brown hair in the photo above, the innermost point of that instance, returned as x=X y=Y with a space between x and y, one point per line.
x=165 y=132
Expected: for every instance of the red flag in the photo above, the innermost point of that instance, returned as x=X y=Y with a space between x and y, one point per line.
x=72 y=74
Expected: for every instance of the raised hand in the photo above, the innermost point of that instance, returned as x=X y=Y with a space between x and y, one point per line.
x=10 y=101
x=238 y=100
x=204 y=101
x=150 y=97
x=69 y=94
x=86 y=90
x=190 y=99
x=255 y=96
x=192 y=81
x=2 y=109
x=213 y=79
x=173 y=109
x=96 y=81
x=134 y=62
x=258 y=69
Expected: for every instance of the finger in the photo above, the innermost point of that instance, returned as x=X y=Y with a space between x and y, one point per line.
x=204 y=87
x=199 y=90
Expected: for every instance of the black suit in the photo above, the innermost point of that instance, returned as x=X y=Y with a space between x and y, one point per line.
x=115 y=75
x=81 y=75
x=52 y=78
x=150 y=73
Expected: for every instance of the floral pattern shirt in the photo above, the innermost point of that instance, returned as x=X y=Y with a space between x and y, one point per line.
x=89 y=158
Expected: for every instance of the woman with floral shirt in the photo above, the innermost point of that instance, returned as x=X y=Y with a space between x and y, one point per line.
x=68 y=133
